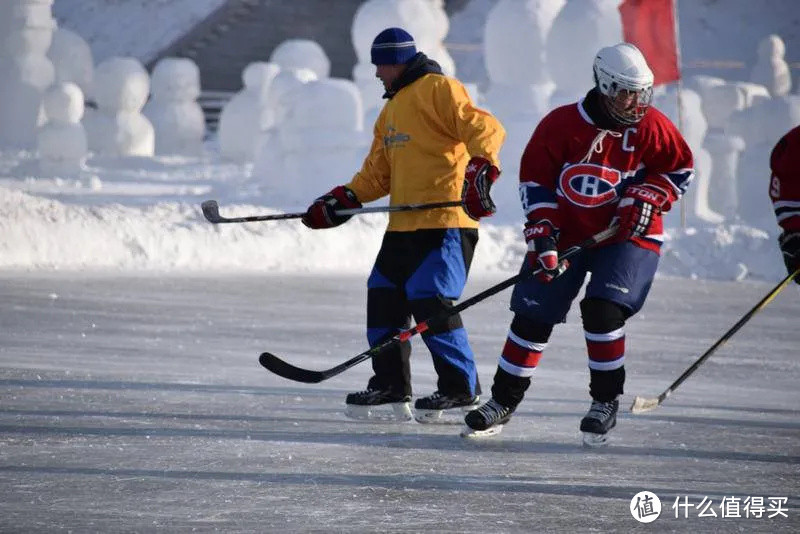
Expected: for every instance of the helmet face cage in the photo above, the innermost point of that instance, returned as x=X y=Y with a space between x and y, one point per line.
x=627 y=106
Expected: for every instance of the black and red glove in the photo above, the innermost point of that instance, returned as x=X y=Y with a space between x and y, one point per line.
x=637 y=208
x=542 y=254
x=478 y=180
x=322 y=213
x=790 y=247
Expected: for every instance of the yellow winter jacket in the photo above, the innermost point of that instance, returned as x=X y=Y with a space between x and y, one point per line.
x=423 y=139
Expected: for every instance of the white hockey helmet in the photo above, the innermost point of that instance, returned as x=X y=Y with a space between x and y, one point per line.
x=625 y=80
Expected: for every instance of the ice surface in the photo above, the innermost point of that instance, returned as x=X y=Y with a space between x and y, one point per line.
x=137 y=404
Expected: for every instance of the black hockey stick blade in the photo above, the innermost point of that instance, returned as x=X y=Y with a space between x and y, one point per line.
x=211 y=211
x=286 y=370
x=289 y=371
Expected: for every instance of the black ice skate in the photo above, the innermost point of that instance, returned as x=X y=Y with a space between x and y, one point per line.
x=430 y=409
x=487 y=420
x=600 y=419
x=378 y=405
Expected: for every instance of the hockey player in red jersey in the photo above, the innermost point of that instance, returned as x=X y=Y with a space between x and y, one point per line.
x=784 y=190
x=607 y=159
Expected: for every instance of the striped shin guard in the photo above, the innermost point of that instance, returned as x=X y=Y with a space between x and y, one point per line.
x=606 y=351
x=520 y=356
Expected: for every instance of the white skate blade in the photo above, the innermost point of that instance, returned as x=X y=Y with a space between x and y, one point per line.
x=394 y=412
x=471 y=433
x=452 y=416
x=592 y=440
x=427 y=417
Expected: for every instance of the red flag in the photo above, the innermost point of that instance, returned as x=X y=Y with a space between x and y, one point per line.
x=650 y=25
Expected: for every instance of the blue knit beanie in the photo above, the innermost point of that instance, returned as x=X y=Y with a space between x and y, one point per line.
x=393 y=46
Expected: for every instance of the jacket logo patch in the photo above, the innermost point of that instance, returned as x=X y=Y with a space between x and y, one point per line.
x=395 y=139
x=589 y=185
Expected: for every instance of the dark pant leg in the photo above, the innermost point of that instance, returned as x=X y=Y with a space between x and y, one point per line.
x=388 y=312
x=386 y=315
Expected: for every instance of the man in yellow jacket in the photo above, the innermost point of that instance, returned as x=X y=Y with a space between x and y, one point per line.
x=431 y=144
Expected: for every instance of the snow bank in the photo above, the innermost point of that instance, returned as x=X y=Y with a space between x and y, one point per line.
x=44 y=234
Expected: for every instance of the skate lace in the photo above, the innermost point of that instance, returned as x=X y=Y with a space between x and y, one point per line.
x=601 y=410
x=367 y=392
x=493 y=410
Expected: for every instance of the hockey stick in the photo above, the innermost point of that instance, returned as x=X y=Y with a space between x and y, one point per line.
x=211 y=211
x=642 y=404
x=289 y=371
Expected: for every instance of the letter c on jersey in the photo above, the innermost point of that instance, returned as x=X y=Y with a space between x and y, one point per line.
x=589 y=185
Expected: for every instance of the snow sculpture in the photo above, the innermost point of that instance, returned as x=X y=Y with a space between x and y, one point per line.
x=771 y=69
x=579 y=30
x=177 y=118
x=693 y=126
x=302 y=54
x=25 y=70
x=117 y=127
x=719 y=103
x=285 y=94
x=246 y=115
x=725 y=151
x=426 y=20
x=520 y=86
x=61 y=141
x=322 y=140
x=752 y=93
x=72 y=60
x=760 y=125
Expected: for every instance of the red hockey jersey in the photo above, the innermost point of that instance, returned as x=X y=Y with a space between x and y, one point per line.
x=784 y=189
x=573 y=173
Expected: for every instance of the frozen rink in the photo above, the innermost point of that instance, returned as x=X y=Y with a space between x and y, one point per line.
x=137 y=404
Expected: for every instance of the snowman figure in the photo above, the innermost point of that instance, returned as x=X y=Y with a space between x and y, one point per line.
x=72 y=59
x=61 y=141
x=771 y=69
x=117 y=127
x=177 y=118
x=26 y=31
x=246 y=115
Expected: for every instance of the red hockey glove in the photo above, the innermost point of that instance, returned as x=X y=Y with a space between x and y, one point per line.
x=543 y=251
x=478 y=180
x=636 y=210
x=322 y=213
x=790 y=246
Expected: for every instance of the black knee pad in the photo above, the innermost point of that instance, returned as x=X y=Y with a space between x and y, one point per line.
x=601 y=316
x=530 y=330
x=427 y=309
